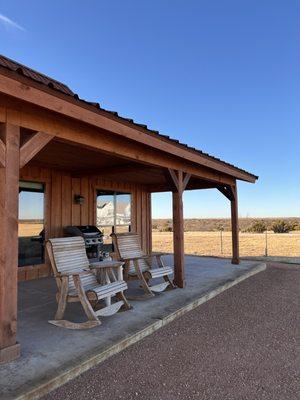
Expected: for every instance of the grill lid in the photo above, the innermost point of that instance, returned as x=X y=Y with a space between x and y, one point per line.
x=87 y=231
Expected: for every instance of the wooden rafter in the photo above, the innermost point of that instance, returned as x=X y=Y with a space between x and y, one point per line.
x=2 y=154
x=33 y=146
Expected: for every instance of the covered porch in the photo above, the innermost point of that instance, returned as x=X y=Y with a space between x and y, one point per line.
x=74 y=150
x=52 y=356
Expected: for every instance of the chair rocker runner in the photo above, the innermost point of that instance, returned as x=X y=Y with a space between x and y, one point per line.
x=138 y=265
x=76 y=281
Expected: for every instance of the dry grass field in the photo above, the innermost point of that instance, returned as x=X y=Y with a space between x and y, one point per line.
x=214 y=224
x=251 y=244
x=209 y=243
x=29 y=229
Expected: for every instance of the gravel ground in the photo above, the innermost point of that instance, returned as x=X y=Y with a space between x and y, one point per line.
x=243 y=344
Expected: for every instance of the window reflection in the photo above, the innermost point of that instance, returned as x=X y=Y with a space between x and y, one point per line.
x=31 y=223
x=113 y=214
x=123 y=211
x=105 y=209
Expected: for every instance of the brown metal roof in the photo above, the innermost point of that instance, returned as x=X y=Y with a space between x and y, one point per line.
x=62 y=88
x=36 y=76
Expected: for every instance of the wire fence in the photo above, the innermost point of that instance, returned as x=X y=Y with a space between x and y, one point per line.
x=218 y=243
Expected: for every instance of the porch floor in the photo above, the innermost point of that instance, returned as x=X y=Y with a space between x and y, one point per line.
x=51 y=355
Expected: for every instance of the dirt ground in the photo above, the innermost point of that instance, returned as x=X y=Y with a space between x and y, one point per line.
x=251 y=244
x=240 y=345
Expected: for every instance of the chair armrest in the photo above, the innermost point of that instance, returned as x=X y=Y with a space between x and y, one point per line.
x=68 y=274
x=110 y=265
x=152 y=255
x=136 y=258
x=106 y=264
x=157 y=254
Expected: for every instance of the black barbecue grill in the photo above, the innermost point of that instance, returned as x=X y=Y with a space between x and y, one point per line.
x=93 y=239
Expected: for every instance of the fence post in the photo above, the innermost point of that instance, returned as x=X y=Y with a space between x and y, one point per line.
x=266 y=243
x=221 y=241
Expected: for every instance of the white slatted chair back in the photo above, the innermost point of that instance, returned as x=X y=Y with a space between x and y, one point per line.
x=129 y=246
x=68 y=255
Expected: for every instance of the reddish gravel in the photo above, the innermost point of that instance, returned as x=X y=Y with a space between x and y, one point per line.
x=243 y=344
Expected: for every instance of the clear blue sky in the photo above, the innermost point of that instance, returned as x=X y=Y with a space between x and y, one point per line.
x=221 y=75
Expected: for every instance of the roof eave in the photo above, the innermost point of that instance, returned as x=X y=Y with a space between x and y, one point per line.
x=231 y=170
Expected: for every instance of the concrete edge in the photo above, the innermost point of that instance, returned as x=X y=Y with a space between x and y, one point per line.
x=72 y=372
x=274 y=259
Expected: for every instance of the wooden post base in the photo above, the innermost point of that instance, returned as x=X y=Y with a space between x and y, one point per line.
x=10 y=353
x=180 y=283
x=235 y=261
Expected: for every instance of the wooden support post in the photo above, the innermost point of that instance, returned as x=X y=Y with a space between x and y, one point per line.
x=231 y=193
x=2 y=153
x=178 y=240
x=180 y=181
x=235 y=227
x=9 y=190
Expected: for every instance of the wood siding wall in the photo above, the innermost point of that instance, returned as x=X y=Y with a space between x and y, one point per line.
x=60 y=209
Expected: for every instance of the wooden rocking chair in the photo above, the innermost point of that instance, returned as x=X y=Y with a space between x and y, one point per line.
x=76 y=281
x=138 y=265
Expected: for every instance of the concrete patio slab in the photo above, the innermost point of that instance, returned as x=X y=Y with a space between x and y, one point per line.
x=51 y=356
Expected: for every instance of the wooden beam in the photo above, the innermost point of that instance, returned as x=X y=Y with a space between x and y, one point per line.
x=23 y=89
x=111 y=171
x=179 y=178
x=9 y=192
x=186 y=180
x=33 y=146
x=192 y=185
x=226 y=191
x=89 y=137
x=2 y=153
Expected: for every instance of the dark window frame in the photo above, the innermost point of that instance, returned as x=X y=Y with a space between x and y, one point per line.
x=114 y=193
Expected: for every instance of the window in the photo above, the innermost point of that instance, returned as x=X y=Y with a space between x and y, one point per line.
x=113 y=214
x=31 y=223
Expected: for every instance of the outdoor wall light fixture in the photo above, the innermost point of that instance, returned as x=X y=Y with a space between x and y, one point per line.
x=78 y=199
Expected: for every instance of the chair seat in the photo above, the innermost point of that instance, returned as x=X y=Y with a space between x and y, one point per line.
x=141 y=266
x=155 y=272
x=109 y=289
x=158 y=272
x=103 y=291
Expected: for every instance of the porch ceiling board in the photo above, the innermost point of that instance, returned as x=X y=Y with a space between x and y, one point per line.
x=68 y=106
x=62 y=155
